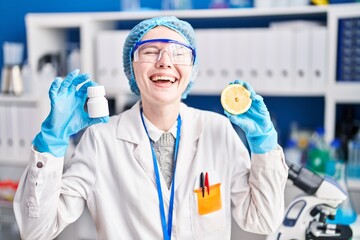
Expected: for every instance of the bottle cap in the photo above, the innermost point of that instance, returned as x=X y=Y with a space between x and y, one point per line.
x=336 y=143
x=291 y=143
x=96 y=91
x=320 y=131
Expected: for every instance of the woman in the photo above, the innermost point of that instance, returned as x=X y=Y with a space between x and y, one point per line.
x=160 y=170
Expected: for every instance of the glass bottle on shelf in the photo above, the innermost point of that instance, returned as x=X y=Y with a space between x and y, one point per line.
x=318 y=153
x=176 y=4
x=293 y=154
x=345 y=214
x=354 y=156
x=214 y=4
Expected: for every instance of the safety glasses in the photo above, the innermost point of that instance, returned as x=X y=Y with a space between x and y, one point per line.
x=150 y=51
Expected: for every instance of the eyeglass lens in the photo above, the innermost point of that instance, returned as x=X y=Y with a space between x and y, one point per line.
x=151 y=52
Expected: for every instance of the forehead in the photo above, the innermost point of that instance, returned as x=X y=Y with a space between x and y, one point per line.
x=163 y=32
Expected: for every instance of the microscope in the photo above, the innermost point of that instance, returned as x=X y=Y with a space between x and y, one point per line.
x=305 y=217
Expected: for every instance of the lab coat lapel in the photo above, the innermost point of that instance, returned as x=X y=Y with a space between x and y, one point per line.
x=144 y=157
x=130 y=128
x=190 y=133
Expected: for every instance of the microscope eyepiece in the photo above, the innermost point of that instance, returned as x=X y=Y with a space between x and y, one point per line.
x=305 y=179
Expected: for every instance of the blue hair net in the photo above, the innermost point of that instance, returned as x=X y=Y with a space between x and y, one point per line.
x=136 y=34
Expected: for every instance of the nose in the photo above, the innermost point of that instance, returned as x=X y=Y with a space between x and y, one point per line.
x=164 y=60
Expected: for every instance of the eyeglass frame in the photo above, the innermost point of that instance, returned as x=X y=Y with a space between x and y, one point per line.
x=163 y=40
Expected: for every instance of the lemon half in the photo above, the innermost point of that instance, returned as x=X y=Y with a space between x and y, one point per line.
x=235 y=99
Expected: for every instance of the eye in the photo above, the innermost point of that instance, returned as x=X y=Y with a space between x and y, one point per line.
x=179 y=50
x=149 y=51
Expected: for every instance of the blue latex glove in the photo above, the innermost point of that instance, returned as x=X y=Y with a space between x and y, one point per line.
x=256 y=123
x=67 y=115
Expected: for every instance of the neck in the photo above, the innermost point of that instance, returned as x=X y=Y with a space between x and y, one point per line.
x=163 y=117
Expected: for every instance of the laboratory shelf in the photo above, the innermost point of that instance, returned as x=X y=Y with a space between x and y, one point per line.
x=48 y=32
x=25 y=98
x=73 y=19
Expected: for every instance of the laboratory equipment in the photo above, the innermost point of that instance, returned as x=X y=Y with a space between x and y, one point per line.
x=176 y=4
x=241 y=3
x=293 y=154
x=218 y=4
x=130 y=5
x=306 y=216
x=12 y=82
x=73 y=59
x=345 y=213
x=354 y=157
x=318 y=154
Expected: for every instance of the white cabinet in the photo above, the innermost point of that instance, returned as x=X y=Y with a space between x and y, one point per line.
x=47 y=33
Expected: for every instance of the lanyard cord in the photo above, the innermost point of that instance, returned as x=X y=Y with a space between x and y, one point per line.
x=166 y=233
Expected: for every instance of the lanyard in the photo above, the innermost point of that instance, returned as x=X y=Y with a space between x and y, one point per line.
x=166 y=232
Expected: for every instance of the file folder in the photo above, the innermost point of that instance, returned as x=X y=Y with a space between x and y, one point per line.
x=11 y=132
x=271 y=61
x=285 y=47
x=2 y=132
x=242 y=52
x=226 y=58
x=28 y=125
x=208 y=49
x=256 y=44
x=318 y=57
x=302 y=78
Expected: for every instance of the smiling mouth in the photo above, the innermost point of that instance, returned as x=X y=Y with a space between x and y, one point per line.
x=163 y=79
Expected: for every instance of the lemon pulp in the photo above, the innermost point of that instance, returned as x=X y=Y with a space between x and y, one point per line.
x=235 y=99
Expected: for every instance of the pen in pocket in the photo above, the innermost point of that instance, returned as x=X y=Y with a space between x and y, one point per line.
x=202 y=185
x=207 y=185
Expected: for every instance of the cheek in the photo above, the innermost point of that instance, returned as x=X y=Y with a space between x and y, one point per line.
x=186 y=74
x=138 y=72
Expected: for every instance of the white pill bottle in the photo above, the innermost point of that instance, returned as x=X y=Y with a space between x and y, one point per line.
x=97 y=104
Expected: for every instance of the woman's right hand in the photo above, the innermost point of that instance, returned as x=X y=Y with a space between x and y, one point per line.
x=67 y=115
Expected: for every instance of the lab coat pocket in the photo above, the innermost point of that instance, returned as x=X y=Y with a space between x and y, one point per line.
x=207 y=213
x=211 y=201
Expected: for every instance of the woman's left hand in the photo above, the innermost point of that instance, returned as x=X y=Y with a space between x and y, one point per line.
x=256 y=123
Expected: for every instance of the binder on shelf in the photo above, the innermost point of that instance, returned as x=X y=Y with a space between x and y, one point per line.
x=208 y=60
x=200 y=84
x=271 y=61
x=2 y=132
x=27 y=116
x=241 y=53
x=256 y=44
x=348 y=60
x=299 y=55
x=318 y=57
x=225 y=58
x=212 y=74
x=10 y=134
x=285 y=51
x=302 y=58
x=109 y=52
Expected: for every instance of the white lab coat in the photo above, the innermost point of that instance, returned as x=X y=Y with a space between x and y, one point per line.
x=112 y=172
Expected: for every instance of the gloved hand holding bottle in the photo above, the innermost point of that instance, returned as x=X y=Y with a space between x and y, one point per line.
x=67 y=115
x=256 y=123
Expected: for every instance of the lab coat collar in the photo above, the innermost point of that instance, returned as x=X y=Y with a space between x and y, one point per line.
x=130 y=129
x=156 y=133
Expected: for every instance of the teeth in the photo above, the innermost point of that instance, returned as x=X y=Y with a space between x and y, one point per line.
x=163 y=78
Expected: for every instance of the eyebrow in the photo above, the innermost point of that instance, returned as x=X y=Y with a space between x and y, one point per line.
x=149 y=45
